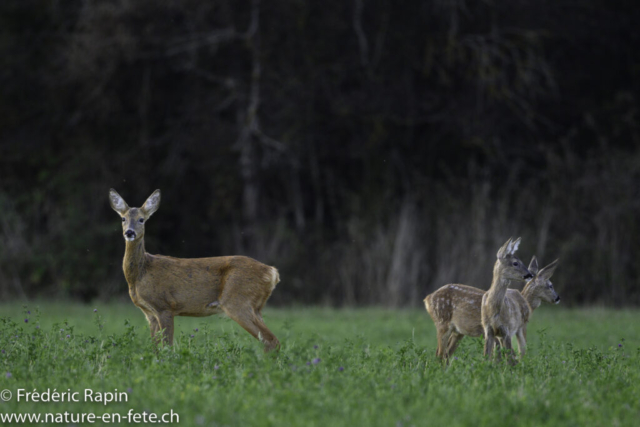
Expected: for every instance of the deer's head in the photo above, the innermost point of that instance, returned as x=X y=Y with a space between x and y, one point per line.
x=509 y=264
x=540 y=287
x=133 y=219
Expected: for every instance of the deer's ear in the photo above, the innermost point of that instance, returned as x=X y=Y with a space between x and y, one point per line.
x=504 y=250
x=117 y=202
x=533 y=265
x=151 y=204
x=515 y=245
x=547 y=272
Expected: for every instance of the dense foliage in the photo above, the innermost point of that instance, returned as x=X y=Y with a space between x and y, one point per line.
x=372 y=151
x=336 y=367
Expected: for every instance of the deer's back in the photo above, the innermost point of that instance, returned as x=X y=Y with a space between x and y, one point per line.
x=458 y=306
x=187 y=286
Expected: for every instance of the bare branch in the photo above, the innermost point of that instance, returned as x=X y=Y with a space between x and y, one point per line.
x=362 y=38
x=208 y=39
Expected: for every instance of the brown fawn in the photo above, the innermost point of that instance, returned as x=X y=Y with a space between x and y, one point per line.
x=456 y=309
x=164 y=287
x=503 y=314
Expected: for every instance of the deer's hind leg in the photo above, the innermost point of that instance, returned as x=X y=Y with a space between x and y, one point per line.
x=440 y=349
x=454 y=341
x=252 y=322
x=243 y=303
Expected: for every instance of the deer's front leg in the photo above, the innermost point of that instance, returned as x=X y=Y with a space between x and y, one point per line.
x=154 y=325
x=522 y=342
x=510 y=354
x=165 y=319
x=489 y=342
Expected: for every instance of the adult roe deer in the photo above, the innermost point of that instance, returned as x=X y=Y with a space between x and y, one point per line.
x=502 y=317
x=456 y=309
x=164 y=287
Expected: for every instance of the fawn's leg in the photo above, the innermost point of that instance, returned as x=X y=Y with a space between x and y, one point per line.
x=440 y=349
x=454 y=341
x=489 y=342
x=522 y=341
x=510 y=353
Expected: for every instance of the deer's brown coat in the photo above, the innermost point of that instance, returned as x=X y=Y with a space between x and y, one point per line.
x=164 y=287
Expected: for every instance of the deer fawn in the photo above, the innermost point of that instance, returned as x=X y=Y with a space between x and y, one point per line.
x=456 y=309
x=164 y=287
x=503 y=316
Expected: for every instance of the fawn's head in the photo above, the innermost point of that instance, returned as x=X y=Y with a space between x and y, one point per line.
x=133 y=219
x=540 y=286
x=509 y=265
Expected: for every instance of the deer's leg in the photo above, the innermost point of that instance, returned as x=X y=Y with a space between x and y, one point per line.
x=264 y=329
x=271 y=342
x=252 y=322
x=446 y=337
x=510 y=354
x=154 y=325
x=499 y=345
x=165 y=319
x=454 y=341
x=489 y=342
x=522 y=341
x=440 y=331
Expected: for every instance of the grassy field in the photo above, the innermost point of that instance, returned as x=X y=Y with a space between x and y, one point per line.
x=353 y=367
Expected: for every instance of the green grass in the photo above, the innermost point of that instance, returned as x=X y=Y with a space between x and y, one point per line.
x=575 y=373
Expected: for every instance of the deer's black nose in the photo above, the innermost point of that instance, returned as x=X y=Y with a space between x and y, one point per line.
x=557 y=299
x=528 y=276
x=130 y=234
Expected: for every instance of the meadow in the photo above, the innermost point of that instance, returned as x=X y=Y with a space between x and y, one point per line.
x=338 y=367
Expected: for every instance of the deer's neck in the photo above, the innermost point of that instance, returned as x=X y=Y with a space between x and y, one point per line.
x=497 y=291
x=134 y=261
x=528 y=294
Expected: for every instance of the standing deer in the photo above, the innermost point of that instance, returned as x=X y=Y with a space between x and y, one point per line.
x=456 y=309
x=503 y=317
x=164 y=287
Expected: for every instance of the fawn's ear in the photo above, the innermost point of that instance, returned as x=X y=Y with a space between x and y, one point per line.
x=515 y=245
x=117 y=202
x=152 y=204
x=504 y=250
x=533 y=265
x=547 y=272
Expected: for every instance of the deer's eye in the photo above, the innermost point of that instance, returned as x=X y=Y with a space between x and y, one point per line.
x=123 y=219
x=515 y=263
x=141 y=220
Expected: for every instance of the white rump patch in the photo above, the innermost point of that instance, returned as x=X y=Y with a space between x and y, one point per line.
x=272 y=277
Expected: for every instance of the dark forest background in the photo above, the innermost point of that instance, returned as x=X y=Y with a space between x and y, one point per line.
x=372 y=150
